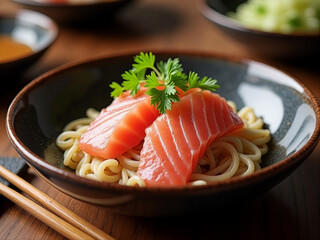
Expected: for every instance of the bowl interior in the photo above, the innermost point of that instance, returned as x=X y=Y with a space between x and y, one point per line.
x=45 y=106
x=225 y=6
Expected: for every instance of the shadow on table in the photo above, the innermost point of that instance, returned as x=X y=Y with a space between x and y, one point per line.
x=135 y=22
x=238 y=222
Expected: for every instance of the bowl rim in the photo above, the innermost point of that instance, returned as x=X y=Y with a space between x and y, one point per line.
x=67 y=4
x=227 y=22
x=295 y=158
x=43 y=21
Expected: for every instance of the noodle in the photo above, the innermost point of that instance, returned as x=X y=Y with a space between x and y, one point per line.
x=233 y=155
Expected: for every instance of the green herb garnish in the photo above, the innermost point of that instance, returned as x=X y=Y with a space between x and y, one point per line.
x=261 y=10
x=162 y=80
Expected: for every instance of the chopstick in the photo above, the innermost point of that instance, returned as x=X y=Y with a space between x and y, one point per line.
x=44 y=215
x=70 y=224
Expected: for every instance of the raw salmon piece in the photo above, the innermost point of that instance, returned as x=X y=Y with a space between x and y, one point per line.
x=120 y=126
x=176 y=141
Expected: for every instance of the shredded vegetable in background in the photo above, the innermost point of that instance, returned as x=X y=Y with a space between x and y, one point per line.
x=284 y=16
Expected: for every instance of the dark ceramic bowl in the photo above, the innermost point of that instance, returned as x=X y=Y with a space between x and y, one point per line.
x=77 y=13
x=39 y=112
x=275 y=45
x=32 y=29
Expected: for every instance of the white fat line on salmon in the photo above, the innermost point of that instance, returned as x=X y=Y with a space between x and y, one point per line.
x=165 y=150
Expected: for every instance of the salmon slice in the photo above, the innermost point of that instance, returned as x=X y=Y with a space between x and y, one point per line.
x=120 y=126
x=176 y=141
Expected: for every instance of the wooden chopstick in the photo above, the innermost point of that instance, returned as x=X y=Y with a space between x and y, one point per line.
x=44 y=215
x=72 y=227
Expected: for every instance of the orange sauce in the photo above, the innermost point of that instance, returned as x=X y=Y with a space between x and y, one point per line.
x=11 y=49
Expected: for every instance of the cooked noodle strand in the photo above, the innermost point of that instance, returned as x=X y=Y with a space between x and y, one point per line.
x=238 y=154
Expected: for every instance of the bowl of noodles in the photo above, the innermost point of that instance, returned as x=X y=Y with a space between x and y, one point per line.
x=280 y=116
x=276 y=28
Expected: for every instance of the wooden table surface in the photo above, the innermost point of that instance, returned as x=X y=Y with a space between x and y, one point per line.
x=291 y=210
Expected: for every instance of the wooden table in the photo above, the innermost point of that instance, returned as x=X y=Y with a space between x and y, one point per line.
x=291 y=210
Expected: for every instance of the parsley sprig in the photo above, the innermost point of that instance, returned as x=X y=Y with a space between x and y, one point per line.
x=162 y=80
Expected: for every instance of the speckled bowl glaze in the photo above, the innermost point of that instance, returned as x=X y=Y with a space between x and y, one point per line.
x=39 y=112
x=35 y=30
x=274 y=45
x=75 y=12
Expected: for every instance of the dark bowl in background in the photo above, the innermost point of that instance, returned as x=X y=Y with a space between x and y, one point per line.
x=35 y=30
x=262 y=43
x=42 y=108
x=76 y=13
